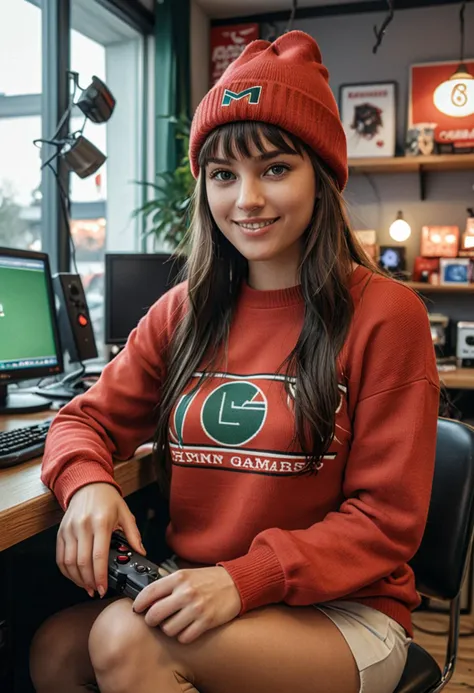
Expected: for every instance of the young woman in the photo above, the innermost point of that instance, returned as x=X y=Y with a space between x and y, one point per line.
x=294 y=394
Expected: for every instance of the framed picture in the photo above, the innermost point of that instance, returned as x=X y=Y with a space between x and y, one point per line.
x=392 y=258
x=446 y=131
x=456 y=270
x=368 y=114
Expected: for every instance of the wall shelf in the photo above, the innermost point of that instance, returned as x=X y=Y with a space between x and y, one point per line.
x=413 y=164
x=424 y=288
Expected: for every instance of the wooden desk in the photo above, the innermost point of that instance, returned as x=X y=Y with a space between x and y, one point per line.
x=27 y=507
x=460 y=379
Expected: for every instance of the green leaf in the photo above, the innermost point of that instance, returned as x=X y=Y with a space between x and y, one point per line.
x=169 y=211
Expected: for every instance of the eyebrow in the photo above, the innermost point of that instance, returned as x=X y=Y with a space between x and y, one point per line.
x=261 y=157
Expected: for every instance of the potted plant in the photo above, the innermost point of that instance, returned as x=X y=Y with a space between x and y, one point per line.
x=168 y=211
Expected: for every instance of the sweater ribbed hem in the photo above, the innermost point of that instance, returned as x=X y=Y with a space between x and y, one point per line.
x=78 y=475
x=260 y=580
x=258 y=577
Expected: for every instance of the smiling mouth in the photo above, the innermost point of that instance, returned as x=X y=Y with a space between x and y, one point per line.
x=256 y=225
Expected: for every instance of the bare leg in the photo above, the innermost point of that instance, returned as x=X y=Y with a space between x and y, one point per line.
x=275 y=649
x=59 y=656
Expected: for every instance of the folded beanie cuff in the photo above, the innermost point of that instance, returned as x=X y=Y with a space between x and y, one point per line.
x=294 y=110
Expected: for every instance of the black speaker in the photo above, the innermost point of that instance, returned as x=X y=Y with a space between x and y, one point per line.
x=75 y=327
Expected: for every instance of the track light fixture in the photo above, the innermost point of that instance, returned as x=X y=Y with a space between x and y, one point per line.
x=97 y=104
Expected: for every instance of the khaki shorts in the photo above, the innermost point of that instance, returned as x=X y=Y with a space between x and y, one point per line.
x=378 y=643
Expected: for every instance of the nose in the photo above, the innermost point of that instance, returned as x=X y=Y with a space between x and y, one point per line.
x=250 y=195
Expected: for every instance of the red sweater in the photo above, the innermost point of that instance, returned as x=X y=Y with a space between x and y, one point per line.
x=346 y=532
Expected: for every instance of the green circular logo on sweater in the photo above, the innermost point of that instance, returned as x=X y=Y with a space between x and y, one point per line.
x=234 y=413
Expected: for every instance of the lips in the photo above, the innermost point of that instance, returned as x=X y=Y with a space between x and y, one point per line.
x=255 y=228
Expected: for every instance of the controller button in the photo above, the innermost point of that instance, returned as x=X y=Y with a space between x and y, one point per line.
x=122 y=559
x=141 y=568
x=122 y=548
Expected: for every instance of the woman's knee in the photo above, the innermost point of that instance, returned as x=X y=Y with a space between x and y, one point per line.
x=119 y=639
x=124 y=649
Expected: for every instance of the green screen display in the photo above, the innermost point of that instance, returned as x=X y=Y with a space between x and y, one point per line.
x=26 y=330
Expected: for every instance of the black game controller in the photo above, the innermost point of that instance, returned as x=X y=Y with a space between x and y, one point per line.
x=129 y=571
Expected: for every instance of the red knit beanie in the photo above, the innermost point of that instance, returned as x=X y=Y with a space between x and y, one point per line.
x=283 y=83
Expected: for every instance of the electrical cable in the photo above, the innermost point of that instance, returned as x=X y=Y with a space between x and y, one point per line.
x=461 y=21
x=380 y=33
x=292 y=16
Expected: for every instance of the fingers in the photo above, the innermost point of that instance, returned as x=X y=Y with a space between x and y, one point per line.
x=68 y=559
x=100 y=557
x=174 y=625
x=83 y=541
x=82 y=550
x=131 y=530
x=84 y=561
x=163 y=609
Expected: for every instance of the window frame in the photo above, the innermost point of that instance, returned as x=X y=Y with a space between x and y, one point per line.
x=53 y=102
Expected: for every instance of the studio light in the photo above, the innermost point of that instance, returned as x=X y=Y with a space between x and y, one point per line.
x=455 y=96
x=97 y=104
x=83 y=157
x=71 y=147
x=400 y=230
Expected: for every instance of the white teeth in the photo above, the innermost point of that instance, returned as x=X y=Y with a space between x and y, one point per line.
x=261 y=225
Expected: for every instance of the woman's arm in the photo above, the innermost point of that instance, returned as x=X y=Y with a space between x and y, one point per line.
x=118 y=413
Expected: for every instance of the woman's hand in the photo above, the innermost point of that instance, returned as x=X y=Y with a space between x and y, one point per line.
x=83 y=541
x=189 y=602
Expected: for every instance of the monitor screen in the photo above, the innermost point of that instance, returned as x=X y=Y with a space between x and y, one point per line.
x=29 y=340
x=133 y=283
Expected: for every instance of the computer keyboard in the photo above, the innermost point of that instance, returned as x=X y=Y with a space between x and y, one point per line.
x=22 y=444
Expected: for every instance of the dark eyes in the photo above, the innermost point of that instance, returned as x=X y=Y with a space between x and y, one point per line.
x=224 y=176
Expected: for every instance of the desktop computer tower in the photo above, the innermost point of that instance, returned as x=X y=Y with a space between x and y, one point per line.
x=75 y=325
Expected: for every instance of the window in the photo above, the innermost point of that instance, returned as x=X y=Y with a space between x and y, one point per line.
x=20 y=47
x=20 y=123
x=102 y=204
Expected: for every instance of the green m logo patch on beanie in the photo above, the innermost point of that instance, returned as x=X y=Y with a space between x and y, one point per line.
x=253 y=94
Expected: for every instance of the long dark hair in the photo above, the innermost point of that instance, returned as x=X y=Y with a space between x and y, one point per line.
x=215 y=272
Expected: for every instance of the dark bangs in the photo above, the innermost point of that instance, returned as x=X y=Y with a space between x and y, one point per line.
x=235 y=140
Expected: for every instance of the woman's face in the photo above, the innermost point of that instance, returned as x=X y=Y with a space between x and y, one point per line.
x=263 y=205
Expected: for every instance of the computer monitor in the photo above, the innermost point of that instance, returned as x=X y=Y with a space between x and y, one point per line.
x=29 y=338
x=133 y=283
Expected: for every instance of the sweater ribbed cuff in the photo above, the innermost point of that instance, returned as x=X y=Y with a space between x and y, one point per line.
x=258 y=577
x=74 y=477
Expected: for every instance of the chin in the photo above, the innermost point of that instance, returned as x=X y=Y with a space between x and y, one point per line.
x=258 y=256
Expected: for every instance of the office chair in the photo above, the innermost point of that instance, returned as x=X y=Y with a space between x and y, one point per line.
x=441 y=560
